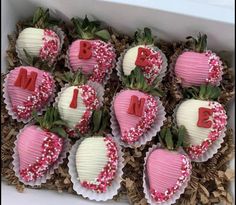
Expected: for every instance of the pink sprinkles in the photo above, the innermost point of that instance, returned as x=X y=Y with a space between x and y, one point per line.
x=219 y=121
x=185 y=170
x=52 y=146
x=109 y=171
x=154 y=66
x=37 y=100
x=51 y=46
x=149 y=116
x=215 y=68
x=105 y=57
x=91 y=102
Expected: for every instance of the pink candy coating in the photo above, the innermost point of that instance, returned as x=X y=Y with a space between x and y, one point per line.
x=22 y=100
x=37 y=150
x=132 y=127
x=195 y=69
x=167 y=171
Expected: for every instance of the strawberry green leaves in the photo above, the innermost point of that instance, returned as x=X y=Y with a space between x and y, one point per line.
x=198 y=44
x=136 y=80
x=173 y=138
x=86 y=29
x=72 y=78
x=204 y=92
x=51 y=121
x=143 y=37
x=100 y=120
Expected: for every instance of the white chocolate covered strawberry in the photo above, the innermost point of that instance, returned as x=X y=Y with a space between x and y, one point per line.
x=146 y=56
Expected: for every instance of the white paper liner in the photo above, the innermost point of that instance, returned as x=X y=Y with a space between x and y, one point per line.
x=16 y=161
x=92 y=195
x=213 y=149
x=8 y=103
x=119 y=64
x=148 y=135
x=108 y=73
x=146 y=191
x=174 y=58
x=61 y=36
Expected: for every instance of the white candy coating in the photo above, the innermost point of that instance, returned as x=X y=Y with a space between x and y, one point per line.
x=30 y=39
x=70 y=115
x=187 y=115
x=91 y=158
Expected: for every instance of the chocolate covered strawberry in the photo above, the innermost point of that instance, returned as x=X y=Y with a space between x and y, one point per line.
x=167 y=170
x=39 y=40
x=92 y=56
x=136 y=114
x=25 y=89
x=39 y=148
x=145 y=55
x=205 y=121
x=77 y=101
x=198 y=66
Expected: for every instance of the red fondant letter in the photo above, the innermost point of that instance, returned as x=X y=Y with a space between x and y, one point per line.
x=73 y=103
x=141 y=59
x=85 y=50
x=203 y=117
x=25 y=82
x=136 y=106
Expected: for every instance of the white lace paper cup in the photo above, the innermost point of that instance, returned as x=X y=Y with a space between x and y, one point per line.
x=48 y=174
x=112 y=190
x=163 y=70
x=213 y=149
x=61 y=36
x=108 y=72
x=148 y=135
x=146 y=186
x=8 y=103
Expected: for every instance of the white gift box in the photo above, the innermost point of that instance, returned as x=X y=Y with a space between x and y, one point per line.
x=168 y=19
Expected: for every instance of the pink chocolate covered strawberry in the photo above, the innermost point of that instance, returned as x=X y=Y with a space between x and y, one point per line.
x=94 y=57
x=167 y=170
x=137 y=115
x=198 y=66
x=25 y=89
x=39 y=148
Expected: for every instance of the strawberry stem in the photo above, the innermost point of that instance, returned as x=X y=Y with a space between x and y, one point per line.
x=200 y=44
x=143 y=37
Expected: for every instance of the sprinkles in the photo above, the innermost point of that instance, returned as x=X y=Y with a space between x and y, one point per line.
x=105 y=57
x=154 y=66
x=37 y=100
x=215 y=68
x=185 y=170
x=149 y=115
x=219 y=121
x=52 y=146
x=51 y=46
x=106 y=176
x=91 y=102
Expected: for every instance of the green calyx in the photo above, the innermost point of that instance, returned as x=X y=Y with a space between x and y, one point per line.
x=51 y=121
x=42 y=19
x=74 y=79
x=204 y=92
x=200 y=44
x=100 y=121
x=173 y=138
x=89 y=30
x=37 y=62
x=137 y=81
x=143 y=37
